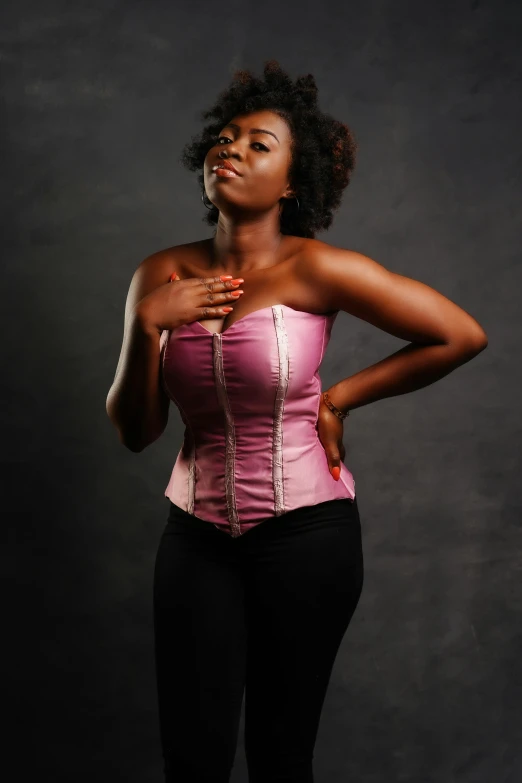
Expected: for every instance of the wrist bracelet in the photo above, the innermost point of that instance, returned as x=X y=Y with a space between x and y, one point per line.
x=333 y=408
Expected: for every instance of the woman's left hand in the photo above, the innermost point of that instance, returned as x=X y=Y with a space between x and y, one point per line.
x=330 y=430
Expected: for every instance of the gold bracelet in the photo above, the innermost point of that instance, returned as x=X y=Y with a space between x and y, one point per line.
x=333 y=408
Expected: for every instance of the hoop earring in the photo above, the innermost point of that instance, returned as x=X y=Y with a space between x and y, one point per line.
x=203 y=200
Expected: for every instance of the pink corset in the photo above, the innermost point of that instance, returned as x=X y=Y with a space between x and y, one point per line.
x=249 y=399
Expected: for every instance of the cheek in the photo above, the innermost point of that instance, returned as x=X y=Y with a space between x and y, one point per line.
x=267 y=183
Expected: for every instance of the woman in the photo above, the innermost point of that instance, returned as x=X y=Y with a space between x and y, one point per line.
x=260 y=567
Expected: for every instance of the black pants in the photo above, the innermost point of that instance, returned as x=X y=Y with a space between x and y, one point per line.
x=260 y=615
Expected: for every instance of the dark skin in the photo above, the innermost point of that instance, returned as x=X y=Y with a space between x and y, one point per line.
x=305 y=274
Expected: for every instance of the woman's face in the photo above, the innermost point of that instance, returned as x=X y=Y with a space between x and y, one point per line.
x=258 y=146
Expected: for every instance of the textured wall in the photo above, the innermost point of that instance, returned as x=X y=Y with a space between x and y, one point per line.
x=98 y=99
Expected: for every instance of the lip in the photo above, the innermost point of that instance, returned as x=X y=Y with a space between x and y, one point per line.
x=225 y=164
x=225 y=173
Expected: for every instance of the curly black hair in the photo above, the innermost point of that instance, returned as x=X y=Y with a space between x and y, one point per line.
x=322 y=152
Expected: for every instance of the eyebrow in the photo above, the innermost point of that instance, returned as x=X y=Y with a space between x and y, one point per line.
x=252 y=130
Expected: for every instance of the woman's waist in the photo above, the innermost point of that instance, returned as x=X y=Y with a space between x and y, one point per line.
x=250 y=443
x=255 y=460
x=253 y=432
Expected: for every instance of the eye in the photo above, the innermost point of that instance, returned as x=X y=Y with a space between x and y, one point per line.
x=225 y=138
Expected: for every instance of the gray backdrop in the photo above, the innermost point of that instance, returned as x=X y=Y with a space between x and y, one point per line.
x=98 y=100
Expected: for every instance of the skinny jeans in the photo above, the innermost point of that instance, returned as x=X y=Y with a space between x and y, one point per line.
x=259 y=617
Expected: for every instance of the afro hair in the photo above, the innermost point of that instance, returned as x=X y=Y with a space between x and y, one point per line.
x=322 y=151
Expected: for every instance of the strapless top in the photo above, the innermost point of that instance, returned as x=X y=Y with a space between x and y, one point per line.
x=249 y=399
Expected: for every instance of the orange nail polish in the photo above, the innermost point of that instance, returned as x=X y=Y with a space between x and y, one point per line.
x=336 y=472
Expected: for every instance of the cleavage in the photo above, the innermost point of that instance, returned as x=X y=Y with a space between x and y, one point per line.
x=213 y=324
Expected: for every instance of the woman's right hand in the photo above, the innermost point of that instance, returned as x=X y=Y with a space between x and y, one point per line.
x=180 y=302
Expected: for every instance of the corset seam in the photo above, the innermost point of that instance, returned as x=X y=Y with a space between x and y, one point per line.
x=230 y=435
x=279 y=406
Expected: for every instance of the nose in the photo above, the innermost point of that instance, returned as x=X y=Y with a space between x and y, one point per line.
x=230 y=149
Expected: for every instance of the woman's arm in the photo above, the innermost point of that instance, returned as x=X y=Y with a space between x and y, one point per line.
x=136 y=404
x=442 y=336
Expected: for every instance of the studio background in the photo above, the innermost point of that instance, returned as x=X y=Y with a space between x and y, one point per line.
x=98 y=100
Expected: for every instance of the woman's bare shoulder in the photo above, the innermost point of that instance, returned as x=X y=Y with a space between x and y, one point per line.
x=156 y=268
x=307 y=272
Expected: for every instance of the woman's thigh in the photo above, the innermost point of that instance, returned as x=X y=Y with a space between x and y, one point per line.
x=200 y=649
x=304 y=579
